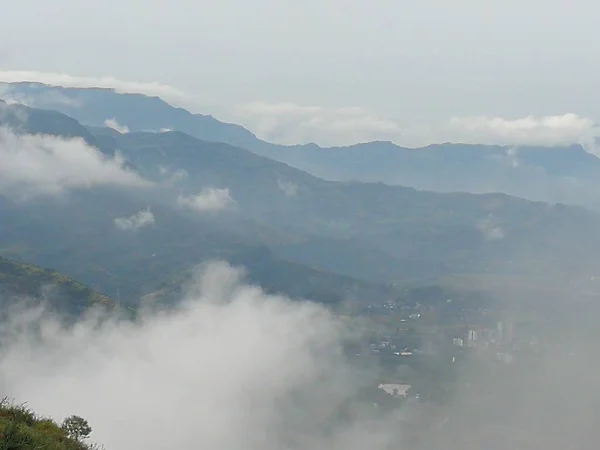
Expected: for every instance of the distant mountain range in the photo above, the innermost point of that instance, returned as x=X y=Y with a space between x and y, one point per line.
x=558 y=174
x=295 y=233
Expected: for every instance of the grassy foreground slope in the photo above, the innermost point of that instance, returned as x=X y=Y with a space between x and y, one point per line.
x=22 y=429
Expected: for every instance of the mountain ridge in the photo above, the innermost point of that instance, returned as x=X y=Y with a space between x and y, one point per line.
x=334 y=235
x=566 y=174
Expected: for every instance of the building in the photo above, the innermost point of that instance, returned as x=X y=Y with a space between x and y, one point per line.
x=458 y=342
x=472 y=335
x=395 y=390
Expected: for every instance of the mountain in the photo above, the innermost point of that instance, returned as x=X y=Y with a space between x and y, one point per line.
x=398 y=232
x=25 y=281
x=296 y=233
x=79 y=237
x=26 y=120
x=566 y=174
x=77 y=234
x=124 y=108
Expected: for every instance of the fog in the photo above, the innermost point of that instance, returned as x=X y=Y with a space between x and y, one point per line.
x=207 y=200
x=231 y=368
x=45 y=165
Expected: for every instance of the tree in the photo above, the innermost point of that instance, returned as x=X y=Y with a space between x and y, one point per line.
x=76 y=427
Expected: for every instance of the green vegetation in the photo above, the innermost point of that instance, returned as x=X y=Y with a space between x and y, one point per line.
x=22 y=429
x=70 y=296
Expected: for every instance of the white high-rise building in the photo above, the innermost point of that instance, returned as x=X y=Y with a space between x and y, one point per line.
x=500 y=329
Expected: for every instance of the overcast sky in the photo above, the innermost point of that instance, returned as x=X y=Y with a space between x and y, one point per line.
x=398 y=60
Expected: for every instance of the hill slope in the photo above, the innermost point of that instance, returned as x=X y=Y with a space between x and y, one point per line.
x=22 y=429
x=64 y=294
x=398 y=232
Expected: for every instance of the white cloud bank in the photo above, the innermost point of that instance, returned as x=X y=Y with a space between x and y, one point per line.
x=136 y=221
x=208 y=200
x=288 y=123
x=32 y=165
x=547 y=130
x=231 y=368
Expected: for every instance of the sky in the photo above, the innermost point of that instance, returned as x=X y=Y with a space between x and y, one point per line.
x=384 y=62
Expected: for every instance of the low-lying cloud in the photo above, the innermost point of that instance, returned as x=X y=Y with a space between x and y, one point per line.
x=288 y=123
x=207 y=200
x=32 y=165
x=136 y=221
x=229 y=368
x=112 y=123
x=547 y=130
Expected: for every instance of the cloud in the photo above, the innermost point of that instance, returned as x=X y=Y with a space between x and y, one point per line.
x=112 y=123
x=208 y=200
x=136 y=221
x=547 y=130
x=32 y=165
x=229 y=368
x=288 y=188
x=288 y=123
x=164 y=91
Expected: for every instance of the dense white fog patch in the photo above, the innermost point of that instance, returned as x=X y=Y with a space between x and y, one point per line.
x=207 y=200
x=136 y=221
x=229 y=368
x=112 y=123
x=33 y=165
